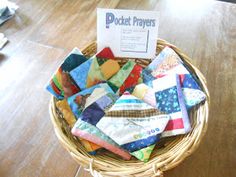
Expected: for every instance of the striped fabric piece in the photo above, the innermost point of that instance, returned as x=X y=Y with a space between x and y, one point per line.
x=133 y=113
x=133 y=124
x=168 y=97
x=168 y=62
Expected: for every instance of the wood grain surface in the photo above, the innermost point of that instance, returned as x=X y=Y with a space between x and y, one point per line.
x=43 y=32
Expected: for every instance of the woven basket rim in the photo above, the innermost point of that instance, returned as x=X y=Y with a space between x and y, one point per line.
x=175 y=152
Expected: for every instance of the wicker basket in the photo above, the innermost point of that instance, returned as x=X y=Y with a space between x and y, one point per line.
x=169 y=152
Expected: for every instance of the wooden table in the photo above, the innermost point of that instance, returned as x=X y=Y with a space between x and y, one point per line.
x=43 y=32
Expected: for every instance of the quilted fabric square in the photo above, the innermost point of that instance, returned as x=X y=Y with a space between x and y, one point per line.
x=134 y=78
x=96 y=70
x=61 y=85
x=120 y=77
x=166 y=94
x=85 y=126
x=77 y=102
x=168 y=62
x=70 y=119
x=80 y=74
x=168 y=101
x=133 y=124
x=96 y=94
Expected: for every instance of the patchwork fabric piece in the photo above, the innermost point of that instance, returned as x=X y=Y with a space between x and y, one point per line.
x=62 y=85
x=94 y=112
x=105 y=53
x=133 y=79
x=168 y=62
x=145 y=93
x=169 y=99
x=80 y=74
x=117 y=80
x=108 y=65
x=147 y=75
x=70 y=119
x=90 y=147
x=85 y=126
x=66 y=111
x=133 y=124
x=95 y=75
x=143 y=154
x=96 y=94
x=191 y=90
x=77 y=102
x=109 y=68
x=97 y=69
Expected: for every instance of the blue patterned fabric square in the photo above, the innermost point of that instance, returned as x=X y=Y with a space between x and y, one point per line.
x=167 y=100
x=189 y=82
x=92 y=114
x=147 y=76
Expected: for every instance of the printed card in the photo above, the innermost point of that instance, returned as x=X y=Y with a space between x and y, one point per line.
x=129 y=33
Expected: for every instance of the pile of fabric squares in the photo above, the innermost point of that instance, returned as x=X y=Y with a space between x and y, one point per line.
x=125 y=109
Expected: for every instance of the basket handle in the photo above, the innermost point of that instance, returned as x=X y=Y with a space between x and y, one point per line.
x=157 y=172
x=93 y=172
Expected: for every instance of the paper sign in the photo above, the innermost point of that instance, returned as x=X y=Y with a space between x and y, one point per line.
x=129 y=33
